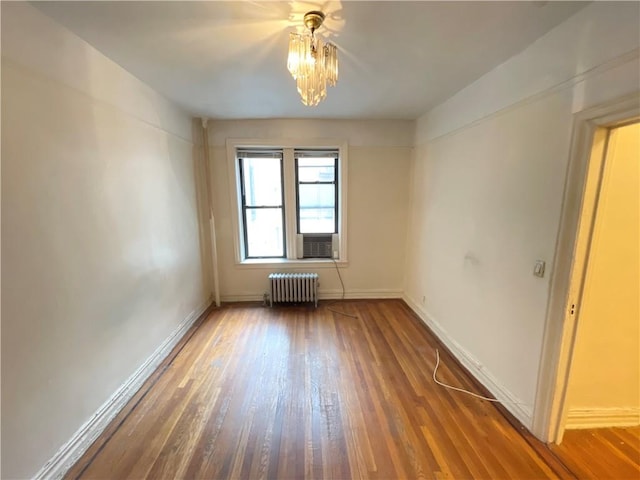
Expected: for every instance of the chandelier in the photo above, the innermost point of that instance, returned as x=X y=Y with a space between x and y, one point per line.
x=311 y=62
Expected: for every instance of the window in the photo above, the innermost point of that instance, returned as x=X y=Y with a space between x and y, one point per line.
x=317 y=192
x=262 y=203
x=290 y=202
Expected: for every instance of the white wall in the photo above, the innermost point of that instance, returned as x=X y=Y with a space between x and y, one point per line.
x=604 y=387
x=487 y=188
x=379 y=157
x=101 y=259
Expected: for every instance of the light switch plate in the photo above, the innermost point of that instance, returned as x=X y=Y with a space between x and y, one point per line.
x=538 y=268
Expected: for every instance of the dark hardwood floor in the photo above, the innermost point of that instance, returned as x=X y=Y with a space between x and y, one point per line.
x=293 y=393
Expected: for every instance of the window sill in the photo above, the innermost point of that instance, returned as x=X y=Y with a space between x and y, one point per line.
x=270 y=263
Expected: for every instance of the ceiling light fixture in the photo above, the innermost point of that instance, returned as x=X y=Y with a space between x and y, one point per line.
x=311 y=62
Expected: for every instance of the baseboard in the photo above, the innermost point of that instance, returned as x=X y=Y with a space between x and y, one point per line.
x=242 y=297
x=359 y=294
x=602 y=417
x=523 y=413
x=71 y=452
x=353 y=294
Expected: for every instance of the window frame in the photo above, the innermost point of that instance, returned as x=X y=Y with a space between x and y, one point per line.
x=258 y=153
x=335 y=183
x=290 y=200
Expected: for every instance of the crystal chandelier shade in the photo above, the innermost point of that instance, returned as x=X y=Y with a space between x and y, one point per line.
x=312 y=63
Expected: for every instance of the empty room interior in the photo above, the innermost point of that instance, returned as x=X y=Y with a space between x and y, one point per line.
x=343 y=239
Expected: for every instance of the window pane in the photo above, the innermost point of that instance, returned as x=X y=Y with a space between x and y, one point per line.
x=317 y=208
x=316 y=169
x=262 y=181
x=264 y=232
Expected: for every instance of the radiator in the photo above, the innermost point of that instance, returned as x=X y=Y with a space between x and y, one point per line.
x=294 y=287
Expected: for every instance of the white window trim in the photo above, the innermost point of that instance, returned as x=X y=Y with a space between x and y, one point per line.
x=288 y=145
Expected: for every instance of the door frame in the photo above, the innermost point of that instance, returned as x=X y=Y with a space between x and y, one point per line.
x=587 y=154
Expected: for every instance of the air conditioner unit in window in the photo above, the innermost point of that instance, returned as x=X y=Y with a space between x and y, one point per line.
x=318 y=245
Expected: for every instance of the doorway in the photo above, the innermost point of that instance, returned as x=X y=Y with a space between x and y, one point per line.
x=588 y=169
x=604 y=379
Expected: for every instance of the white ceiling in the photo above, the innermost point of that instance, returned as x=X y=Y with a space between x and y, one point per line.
x=228 y=59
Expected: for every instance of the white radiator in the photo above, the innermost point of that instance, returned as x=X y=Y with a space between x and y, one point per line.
x=294 y=287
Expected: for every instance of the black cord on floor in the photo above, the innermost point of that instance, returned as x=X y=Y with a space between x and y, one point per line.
x=343 y=293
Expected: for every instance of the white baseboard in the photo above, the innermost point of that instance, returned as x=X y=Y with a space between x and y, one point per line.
x=353 y=294
x=524 y=413
x=359 y=294
x=71 y=451
x=602 y=417
x=241 y=297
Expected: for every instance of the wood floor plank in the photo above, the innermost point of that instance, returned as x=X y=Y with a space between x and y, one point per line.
x=302 y=393
x=604 y=453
